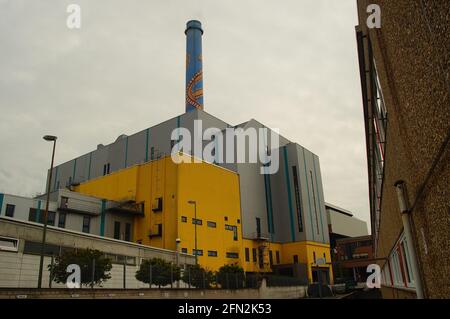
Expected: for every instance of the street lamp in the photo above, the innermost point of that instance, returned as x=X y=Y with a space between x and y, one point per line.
x=193 y=202
x=48 y=138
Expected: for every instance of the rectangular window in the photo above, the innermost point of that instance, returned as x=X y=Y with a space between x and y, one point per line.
x=128 y=232
x=197 y=221
x=51 y=218
x=314 y=256
x=298 y=202
x=108 y=169
x=407 y=263
x=197 y=252
x=62 y=220
x=184 y=250
x=295 y=259
x=212 y=253
x=255 y=259
x=86 y=224
x=270 y=258
x=258 y=227
x=152 y=153
x=183 y=219
x=9 y=212
x=64 y=202
x=9 y=244
x=211 y=224
x=247 y=254
x=233 y=255
x=277 y=256
x=32 y=215
x=116 y=230
x=160 y=229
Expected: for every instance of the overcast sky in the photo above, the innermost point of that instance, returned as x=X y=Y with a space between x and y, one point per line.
x=291 y=65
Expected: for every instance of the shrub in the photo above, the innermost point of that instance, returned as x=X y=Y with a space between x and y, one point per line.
x=198 y=277
x=157 y=271
x=231 y=276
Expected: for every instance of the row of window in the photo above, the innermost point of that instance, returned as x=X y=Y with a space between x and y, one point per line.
x=397 y=271
x=255 y=256
x=117 y=233
x=211 y=224
x=211 y=253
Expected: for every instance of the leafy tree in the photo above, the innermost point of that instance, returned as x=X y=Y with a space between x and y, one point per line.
x=85 y=258
x=158 y=272
x=198 y=277
x=231 y=276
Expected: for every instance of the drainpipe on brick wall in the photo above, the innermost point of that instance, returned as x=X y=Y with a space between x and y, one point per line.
x=406 y=219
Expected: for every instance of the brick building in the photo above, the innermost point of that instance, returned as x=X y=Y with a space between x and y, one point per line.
x=404 y=68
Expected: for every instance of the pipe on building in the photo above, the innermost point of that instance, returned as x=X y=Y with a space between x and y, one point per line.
x=406 y=219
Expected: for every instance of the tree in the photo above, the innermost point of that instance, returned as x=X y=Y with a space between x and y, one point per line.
x=86 y=259
x=157 y=271
x=198 y=277
x=231 y=276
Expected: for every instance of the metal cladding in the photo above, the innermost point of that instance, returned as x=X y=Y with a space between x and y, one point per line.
x=194 y=71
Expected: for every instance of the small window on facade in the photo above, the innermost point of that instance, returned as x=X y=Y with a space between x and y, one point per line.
x=9 y=244
x=62 y=220
x=86 y=224
x=226 y=218
x=116 y=230
x=247 y=254
x=183 y=219
x=255 y=259
x=238 y=221
x=197 y=252
x=232 y=255
x=64 y=202
x=152 y=153
x=184 y=250
x=9 y=212
x=212 y=253
x=212 y=224
x=314 y=256
x=277 y=256
x=128 y=232
x=197 y=221
x=295 y=259
x=51 y=217
x=270 y=258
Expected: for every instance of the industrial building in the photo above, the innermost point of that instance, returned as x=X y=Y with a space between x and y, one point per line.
x=405 y=94
x=221 y=212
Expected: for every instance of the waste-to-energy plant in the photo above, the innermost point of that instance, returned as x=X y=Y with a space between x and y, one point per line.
x=222 y=213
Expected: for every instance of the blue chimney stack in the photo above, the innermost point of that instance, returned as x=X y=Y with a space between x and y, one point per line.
x=194 y=71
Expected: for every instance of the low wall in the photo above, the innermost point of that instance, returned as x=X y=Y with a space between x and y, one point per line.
x=263 y=292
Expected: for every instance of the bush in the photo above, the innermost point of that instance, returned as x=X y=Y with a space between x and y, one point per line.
x=83 y=258
x=231 y=276
x=157 y=271
x=198 y=277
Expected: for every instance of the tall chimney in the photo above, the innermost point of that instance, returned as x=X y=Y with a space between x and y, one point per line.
x=194 y=72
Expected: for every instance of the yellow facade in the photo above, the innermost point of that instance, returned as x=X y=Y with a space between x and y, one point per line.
x=216 y=193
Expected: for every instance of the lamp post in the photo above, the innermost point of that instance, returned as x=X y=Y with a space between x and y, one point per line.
x=48 y=138
x=193 y=202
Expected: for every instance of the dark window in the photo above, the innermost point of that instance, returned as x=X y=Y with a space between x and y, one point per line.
x=277 y=256
x=159 y=229
x=212 y=253
x=62 y=220
x=258 y=227
x=314 y=256
x=298 y=202
x=86 y=224
x=238 y=221
x=270 y=257
x=211 y=224
x=184 y=250
x=233 y=255
x=32 y=217
x=247 y=254
x=172 y=144
x=254 y=255
x=51 y=217
x=116 y=230
x=34 y=248
x=152 y=153
x=9 y=212
x=183 y=219
x=197 y=221
x=226 y=218
x=64 y=202
x=324 y=257
x=295 y=259
x=108 y=168
x=104 y=169
x=197 y=252
x=235 y=233
x=128 y=232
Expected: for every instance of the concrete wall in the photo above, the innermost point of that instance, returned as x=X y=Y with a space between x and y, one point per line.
x=18 y=269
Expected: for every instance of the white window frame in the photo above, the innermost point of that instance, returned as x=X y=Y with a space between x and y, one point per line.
x=11 y=249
